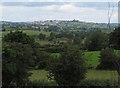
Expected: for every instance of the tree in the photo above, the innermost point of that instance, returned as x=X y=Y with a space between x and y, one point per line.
x=42 y=36
x=52 y=28
x=52 y=36
x=114 y=39
x=16 y=60
x=18 y=36
x=77 y=41
x=108 y=60
x=42 y=58
x=69 y=69
x=96 y=40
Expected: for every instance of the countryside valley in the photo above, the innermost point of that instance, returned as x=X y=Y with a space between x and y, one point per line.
x=60 y=53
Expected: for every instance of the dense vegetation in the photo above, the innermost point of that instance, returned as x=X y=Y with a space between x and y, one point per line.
x=65 y=57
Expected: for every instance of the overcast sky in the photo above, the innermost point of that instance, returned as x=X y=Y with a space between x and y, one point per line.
x=35 y=11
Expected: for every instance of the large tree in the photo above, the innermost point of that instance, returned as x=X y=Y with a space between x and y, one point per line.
x=69 y=69
x=96 y=40
x=17 y=56
x=114 y=39
x=16 y=60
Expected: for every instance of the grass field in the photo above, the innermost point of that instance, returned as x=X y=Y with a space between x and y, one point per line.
x=36 y=32
x=41 y=75
x=38 y=75
x=92 y=58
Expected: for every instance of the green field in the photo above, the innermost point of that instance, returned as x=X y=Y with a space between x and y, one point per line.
x=38 y=75
x=41 y=75
x=92 y=58
x=36 y=32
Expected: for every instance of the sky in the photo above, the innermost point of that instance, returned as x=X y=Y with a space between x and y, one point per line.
x=30 y=10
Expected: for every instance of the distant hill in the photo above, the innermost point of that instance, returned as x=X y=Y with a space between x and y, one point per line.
x=63 y=25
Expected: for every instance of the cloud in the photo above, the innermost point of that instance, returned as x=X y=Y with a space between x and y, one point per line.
x=47 y=8
x=61 y=11
x=59 y=1
x=69 y=8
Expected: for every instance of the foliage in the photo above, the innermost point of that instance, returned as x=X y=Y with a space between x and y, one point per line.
x=52 y=36
x=42 y=58
x=96 y=40
x=42 y=36
x=18 y=36
x=114 y=39
x=108 y=59
x=69 y=69
x=77 y=41
x=52 y=28
x=16 y=60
